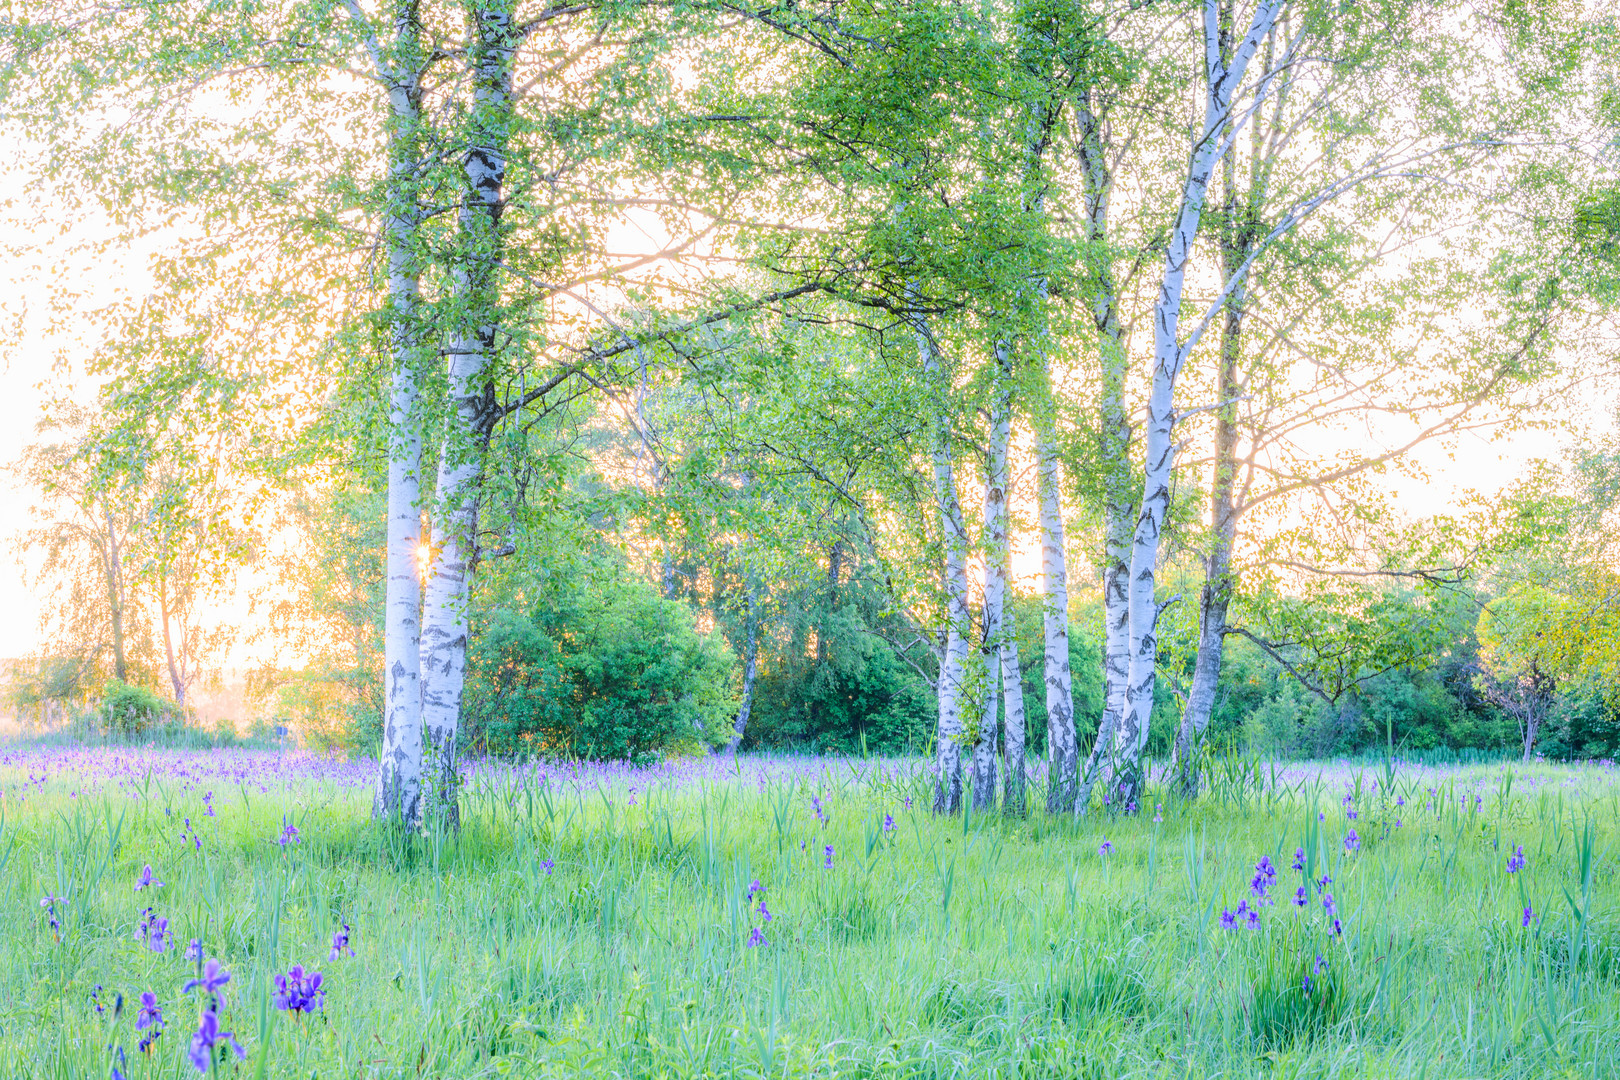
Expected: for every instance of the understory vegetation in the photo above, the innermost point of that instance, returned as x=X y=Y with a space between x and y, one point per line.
x=804 y=918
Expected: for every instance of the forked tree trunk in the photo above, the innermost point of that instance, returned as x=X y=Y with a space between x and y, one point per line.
x=1237 y=237
x=399 y=768
x=1170 y=353
x=472 y=413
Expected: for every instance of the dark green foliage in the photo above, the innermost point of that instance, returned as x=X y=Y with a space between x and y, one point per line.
x=595 y=666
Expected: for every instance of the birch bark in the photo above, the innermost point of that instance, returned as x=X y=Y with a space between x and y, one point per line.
x=958 y=621
x=400 y=67
x=471 y=349
x=750 y=670
x=1062 y=751
x=1238 y=233
x=1114 y=448
x=1223 y=75
x=1001 y=644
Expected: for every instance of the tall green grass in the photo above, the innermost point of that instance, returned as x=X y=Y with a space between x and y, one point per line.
x=567 y=933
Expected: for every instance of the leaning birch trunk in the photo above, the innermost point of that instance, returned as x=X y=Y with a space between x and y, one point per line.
x=1114 y=447
x=1001 y=640
x=750 y=670
x=472 y=413
x=953 y=535
x=1169 y=354
x=1062 y=750
x=399 y=768
x=1216 y=595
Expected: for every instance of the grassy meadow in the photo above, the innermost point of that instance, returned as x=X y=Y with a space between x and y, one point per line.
x=602 y=921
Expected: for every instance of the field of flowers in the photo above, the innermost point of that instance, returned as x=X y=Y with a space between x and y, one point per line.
x=170 y=914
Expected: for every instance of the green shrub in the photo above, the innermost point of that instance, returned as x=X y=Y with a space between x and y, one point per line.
x=133 y=710
x=600 y=667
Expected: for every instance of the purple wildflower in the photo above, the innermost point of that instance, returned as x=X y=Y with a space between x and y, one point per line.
x=194 y=951
x=151 y=1013
x=1228 y=919
x=828 y=864
x=1158 y=813
x=1515 y=861
x=1352 y=842
x=888 y=823
x=815 y=805
x=764 y=912
x=1528 y=916
x=1105 y=849
x=299 y=991
x=1328 y=905
x=754 y=889
x=145 y=880
x=340 y=943
x=49 y=902
x=1252 y=918
x=208 y=805
x=548 y=865
x=209 y=1036
x=908 y=802
x=211 y=979
x=289 y=833
x=1299 y=858
x=756 y=939
x=1265 y=875
x=154 y=932
x=1301 y=898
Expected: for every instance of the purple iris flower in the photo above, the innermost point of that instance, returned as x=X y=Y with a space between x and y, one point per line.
x=828 y=864
x=1528 y=916
x=1301 y=898
x=754 y=889
x=1228 y=919
x=145 y=880
x=151 y=1013
x=756 y=939
x=548 y=865
x=1265 y=875
x=1158 y=813
x=815 y=805
x=1106 y=849
x=908 y=802
x=1299 y=858
x=340 y=943
x=194 y=951
x=289 y=833
x=1352 y=842
x=1252 y=918
x=888 y=823
x=213 y=977
x=209 y=1036
x=1515 y=861
x=764 y=912
x=154 y=932
x=208 y=805
x=299 y=991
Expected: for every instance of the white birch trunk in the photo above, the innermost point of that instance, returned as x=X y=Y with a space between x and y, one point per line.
x=399 y=770
x=1115 y=428
x=1002 y=640
x=1061 y=748
x=958 y=620
x=750 y=671
x=1237 y=236
x=1223 y=79
x=471 y=351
